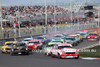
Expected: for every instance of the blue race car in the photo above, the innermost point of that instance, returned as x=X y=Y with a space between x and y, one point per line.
x=44 y=39
x=83 y=34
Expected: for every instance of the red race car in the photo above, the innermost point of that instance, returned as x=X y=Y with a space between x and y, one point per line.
x=93 y=37
x=34 y=44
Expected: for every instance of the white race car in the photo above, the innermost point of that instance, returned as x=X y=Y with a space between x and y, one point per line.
x=25 y=40
x=64 y=51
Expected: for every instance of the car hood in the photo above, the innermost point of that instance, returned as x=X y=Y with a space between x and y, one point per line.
x=41 y=39
x=69 y=50
x=92 y=36
x=68 y=40
x=6 y=46
x=24 y=41
x=31 y=44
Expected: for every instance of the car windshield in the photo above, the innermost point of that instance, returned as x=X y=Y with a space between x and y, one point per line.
x=93 y=34
x=34 y=42
x=21 y=44
x=58 y=41
x=9 y=44
x=27 y=39
x=39 y=38
x=58 y=36
x=50 y=45
x=69 y=39
x=82 y=33
x=61 y=47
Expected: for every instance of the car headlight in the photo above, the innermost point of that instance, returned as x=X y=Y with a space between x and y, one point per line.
x=76 y=52
x=88 y=37
x=3 y=49
x=95 y=37
x=26 y=48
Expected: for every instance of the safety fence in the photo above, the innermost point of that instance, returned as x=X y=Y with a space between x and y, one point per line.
x=23 y=32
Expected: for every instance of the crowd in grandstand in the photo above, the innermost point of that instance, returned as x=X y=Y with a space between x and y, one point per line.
x=35 y=15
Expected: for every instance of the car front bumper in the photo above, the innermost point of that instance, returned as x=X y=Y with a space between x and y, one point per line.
x=20 y=51
x=6 y=51
x=69 y=55
x=92 y=39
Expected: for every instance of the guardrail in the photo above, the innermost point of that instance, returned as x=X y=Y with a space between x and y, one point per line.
x=23 y=32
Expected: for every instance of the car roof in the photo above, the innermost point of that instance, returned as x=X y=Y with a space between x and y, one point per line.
x=11 y=42
x=82 y=32
x=34 y=40
x=69 y=37
x=53 y=43
x=73 y=35
x=41 y=36
x=45 y=35
x=93 y=33
x=27 y=38
x=19 y=43
x=59 y=35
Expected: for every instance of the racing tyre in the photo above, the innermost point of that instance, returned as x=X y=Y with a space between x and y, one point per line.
x=77 y=57
x=2 y=52
x=52 y=55
x=82 y=40
x=59 y=56
x=12 y=54
x=76 y=44
x=27 y=53
x=73 y=44
x=47 y=54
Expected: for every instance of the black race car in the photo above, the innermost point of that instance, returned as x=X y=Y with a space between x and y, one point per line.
x=19 y=48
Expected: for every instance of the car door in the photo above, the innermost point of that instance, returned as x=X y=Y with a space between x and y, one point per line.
x=54 y=50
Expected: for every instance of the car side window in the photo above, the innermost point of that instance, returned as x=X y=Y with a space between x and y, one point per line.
x=55 y=47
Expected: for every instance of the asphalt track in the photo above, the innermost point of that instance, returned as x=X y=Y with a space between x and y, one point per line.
x=40 y=60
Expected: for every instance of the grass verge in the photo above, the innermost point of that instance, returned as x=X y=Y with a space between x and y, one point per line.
x=91 y=52
x=0 y=47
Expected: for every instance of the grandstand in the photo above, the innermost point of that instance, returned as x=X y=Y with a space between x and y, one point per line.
x=34 y=12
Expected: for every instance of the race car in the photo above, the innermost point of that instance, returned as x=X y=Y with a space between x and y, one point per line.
x=45 y=35
x=7 y=46
x=64 y=51
x=71 y=40
x=34 y=44
x=19 y=48
x=81 y=37
x=58 y=40
x=65 y=34
x=76 y=37
x=47 y=48
x=83 y=34
x=44 y=39
x=93 y=37
x=59 y=36
x=25 y=40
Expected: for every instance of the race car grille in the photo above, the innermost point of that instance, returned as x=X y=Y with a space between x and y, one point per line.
x=70 y=53
x=92 y=37
x=30 y=47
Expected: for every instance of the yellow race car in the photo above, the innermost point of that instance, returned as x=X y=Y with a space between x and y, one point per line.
x=7 y=46
x=81 y=37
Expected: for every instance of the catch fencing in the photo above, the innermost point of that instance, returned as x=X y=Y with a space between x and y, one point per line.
x=24 y=32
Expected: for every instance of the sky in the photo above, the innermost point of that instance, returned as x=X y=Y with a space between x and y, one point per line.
x=40 y=2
